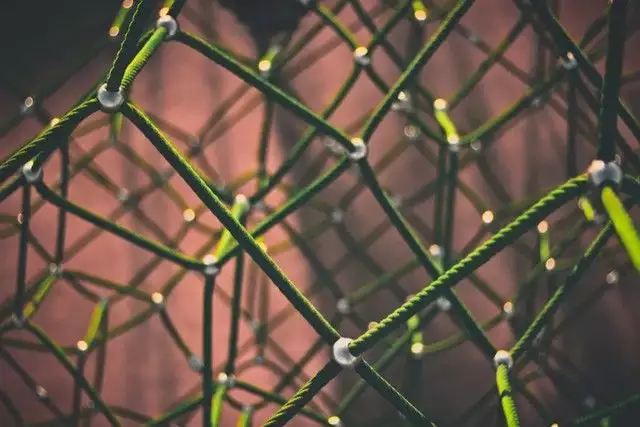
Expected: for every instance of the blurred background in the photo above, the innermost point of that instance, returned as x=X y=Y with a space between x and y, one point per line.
x=335 y=245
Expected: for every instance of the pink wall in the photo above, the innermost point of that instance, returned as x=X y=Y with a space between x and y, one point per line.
x=146 y=372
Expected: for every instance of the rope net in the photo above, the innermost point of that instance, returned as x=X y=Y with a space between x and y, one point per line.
x=243 y=227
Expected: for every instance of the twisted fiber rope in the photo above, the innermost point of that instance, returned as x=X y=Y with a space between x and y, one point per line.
x=607 y=412
x=416 y=65
x=562 y=39
x=389 y=392
x=127 y=48
x=128 y=235
x=463 y=314
x=290 y=205
x=141 y=59
x=304 y=395
x=443 y=283
x=507 y=235
x=227 y=61
x=208 y=197
x=59 y=354
x=48 y=140
x=506 y=396
x=549 y=308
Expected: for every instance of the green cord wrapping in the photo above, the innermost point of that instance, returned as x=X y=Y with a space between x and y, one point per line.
x=216 y=405
x=414 y=67
x=506 y=396
x=320 y=324
x=48 y=140
x=127 y=47
x=623 y=224
x=481 y=255
x=287 y=101
x=303 y=395
x=237 y=238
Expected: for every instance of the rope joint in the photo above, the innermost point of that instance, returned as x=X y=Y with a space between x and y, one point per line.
x=503 y=357
x=342 y=355
x=170 y=24
x=110 y=102
x=30 y=174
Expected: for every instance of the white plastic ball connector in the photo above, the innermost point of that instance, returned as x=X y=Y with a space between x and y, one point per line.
x=360 y=151
x=335 y=421
x=503 y=357
x=453 y=143
x=169 y=23
x=337 y=216
x=243 y=200
x=476 y=145
x=158 y=301
x=55 y=269
x=599 y=172
x=508 y=310
x=18 y=320
x=41 y=392
x=403 y=103
x=264 y=69
x=195 y=363
x=443 y=304
x=361 y=56
x=341 y=354
x=30 y=174
x=123 y=195
x=110 y=102
x=343 y=306
x=28 y=106
x=228 y=380
x=569 y=61
x=411 y=132
x=210 y=266
x=536 y=102
x=613 y=277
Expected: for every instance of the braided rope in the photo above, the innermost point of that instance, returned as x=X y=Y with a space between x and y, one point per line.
x=408 y=96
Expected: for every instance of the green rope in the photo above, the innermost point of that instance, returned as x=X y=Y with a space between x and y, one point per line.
x=242 y=230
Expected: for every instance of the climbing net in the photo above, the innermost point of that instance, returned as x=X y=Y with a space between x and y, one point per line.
x=235 y=218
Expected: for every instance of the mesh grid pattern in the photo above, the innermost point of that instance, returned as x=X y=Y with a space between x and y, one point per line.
x=243 y=226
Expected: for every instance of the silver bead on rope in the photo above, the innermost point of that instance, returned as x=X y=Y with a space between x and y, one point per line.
x=341 y=354
x=110 y=102
x=569 y=61
x=361 y=56
x=599 y=172
x=360 y=151
x=30 y=174
x=210 y=267
x=170 y=24
x=503 y=357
